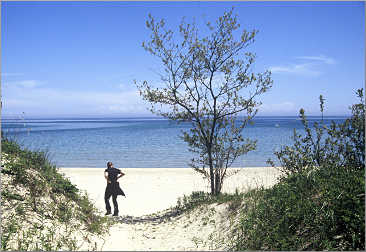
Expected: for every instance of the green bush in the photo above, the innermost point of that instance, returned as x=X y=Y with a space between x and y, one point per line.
x=343 y=145
x=319 y=203
x=63 y=186
x=325 y=211
x=9 y=147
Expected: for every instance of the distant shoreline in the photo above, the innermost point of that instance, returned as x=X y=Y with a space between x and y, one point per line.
x=96 y=117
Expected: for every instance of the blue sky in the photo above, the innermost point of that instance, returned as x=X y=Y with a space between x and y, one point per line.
x=80 y=58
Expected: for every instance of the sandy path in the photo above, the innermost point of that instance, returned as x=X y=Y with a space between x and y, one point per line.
x=151 y=190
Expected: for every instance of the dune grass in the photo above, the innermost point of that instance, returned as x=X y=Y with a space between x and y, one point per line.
x=41 y=209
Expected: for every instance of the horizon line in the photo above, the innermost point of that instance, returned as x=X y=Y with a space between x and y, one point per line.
x=25 y=117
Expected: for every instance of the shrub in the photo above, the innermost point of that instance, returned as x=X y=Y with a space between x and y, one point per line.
x=319 y=202
x=342 y=146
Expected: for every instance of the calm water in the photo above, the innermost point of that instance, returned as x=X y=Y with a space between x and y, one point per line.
x=139 y=143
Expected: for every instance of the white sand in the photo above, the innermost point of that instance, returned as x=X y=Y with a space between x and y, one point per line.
x=150 y=190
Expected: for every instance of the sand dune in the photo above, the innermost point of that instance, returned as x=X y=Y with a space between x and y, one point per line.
x=150 y=190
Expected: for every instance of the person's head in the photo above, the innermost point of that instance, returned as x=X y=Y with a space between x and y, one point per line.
x=109 y=164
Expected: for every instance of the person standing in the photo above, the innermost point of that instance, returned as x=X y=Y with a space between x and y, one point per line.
x=113 y=189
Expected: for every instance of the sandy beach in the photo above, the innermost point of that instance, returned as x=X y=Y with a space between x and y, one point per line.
x=152 y=190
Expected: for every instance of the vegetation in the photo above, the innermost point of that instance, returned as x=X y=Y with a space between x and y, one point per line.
x=41 y=209
x=343 y=146
x=204 y=82
x=319 y=203
x=190 y=202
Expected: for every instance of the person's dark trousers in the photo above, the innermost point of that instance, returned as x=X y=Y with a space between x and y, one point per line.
x=107 y=196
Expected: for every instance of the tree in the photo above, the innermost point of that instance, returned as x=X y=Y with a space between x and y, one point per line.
x=204 y=80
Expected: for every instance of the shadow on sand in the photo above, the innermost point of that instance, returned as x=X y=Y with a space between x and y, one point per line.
x=157 y=218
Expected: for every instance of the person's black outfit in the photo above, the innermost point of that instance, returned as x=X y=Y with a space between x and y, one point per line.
x=113 y=189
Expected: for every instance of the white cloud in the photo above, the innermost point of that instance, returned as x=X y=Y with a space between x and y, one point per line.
x=302 y=69
x=46 y=100
x=310 y=68
x=321 y=58
x=24 y=83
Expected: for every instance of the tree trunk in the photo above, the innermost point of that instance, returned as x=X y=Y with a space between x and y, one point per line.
x=217 y=182
x=212 y=177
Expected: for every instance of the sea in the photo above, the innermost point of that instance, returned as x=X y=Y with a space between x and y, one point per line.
x=140 y=142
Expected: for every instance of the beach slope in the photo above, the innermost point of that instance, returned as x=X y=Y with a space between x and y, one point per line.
x=153 y=190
